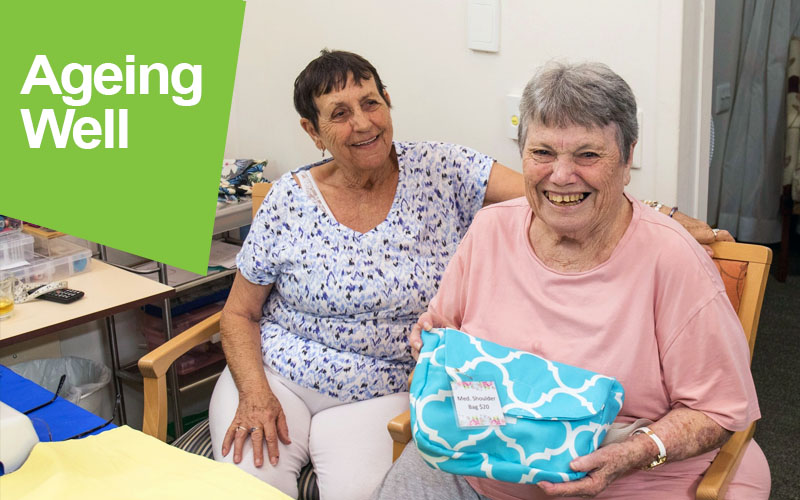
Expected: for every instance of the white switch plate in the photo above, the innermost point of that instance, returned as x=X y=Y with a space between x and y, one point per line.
x=483 y=25
x=511 y=116
x=638 y=150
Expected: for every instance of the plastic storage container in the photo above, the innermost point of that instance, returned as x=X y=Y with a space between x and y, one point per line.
x=16 y=249
x=40 y=270
x=68 y=258
x=42 y=244
x=48 y=246
x=65 y=260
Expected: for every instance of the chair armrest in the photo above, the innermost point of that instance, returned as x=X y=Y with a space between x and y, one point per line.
x=156 y=363
x=719 y=474
x=154 y=366
x=400 y=430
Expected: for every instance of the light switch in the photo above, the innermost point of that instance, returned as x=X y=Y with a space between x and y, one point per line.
x=483 y=25
x=511 y=116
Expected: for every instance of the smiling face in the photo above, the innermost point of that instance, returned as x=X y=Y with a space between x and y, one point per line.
x=574 y=179
x=354 y=125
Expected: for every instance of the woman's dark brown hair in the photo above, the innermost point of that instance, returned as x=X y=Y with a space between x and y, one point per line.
x=329 y=72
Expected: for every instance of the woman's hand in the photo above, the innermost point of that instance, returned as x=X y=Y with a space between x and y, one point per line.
x=261 y=419
x=259 y=415
x=701 y=231
x=684 y=432
x=603 y=467
x=427 y=321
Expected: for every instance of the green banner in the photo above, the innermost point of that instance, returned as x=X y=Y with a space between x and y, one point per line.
x=114 y=118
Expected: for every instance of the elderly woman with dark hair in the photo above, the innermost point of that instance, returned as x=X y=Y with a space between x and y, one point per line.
x=341 y=259
x=581 y=273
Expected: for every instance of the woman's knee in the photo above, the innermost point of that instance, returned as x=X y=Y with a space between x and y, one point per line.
x=292 y=457
x=351 y=448
x=411 y=477
x=221 y=409
x=752 y=480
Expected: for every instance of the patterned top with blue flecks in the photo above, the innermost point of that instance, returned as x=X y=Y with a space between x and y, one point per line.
x=344 y=302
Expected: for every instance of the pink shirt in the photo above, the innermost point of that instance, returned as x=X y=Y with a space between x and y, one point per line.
x=654 y=315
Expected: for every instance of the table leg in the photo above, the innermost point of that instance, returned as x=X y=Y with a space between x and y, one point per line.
x=111 y=330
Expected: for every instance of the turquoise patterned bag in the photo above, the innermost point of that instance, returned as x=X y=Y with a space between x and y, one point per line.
x=553 y=412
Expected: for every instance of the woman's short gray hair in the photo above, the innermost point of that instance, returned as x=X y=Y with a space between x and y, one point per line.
x=585 y=94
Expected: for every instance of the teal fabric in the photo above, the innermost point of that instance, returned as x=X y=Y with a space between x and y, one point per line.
x=554 y=412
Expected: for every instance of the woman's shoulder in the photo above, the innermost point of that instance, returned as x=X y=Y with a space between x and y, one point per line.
x=501 y=216
x=457 y=171
x=669 y=243
x=663 y=229
x=435 y=151
x=504 y=209
x=281 y=188
x=282 y=200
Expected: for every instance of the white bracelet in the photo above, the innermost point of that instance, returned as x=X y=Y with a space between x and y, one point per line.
x=662 y=451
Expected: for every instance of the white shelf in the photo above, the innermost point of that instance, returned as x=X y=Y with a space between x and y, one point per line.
x=233 y=216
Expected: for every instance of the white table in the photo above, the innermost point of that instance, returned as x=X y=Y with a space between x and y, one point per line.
x=108 y=290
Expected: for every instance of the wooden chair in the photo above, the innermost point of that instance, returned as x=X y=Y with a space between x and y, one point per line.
x=154 y=366
x=744 y=270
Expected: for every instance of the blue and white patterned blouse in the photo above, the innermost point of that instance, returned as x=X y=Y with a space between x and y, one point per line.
x=343 y=302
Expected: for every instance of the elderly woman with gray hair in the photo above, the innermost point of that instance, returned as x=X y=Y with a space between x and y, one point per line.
x=580 y=272
x=342 y=257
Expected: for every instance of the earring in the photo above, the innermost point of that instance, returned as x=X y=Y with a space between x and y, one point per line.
x=323 y=151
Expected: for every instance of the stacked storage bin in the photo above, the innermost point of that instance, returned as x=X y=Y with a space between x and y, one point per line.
x=35 y=259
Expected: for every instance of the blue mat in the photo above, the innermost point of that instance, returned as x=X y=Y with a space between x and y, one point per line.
x=57 y=421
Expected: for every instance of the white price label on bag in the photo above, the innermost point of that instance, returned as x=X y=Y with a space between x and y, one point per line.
x=477 y=404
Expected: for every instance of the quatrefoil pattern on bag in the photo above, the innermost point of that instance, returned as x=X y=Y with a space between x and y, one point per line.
x=554 y=412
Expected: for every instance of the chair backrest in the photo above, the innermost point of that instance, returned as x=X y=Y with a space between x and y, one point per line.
x=744 y=269
x=259 y=192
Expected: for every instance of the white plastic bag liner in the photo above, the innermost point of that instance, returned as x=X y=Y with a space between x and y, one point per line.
x=82 y=386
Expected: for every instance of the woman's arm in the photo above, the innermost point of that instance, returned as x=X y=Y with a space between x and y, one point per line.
x=699 y=230
x=685 y=433
x=504 y=184
x=258 y=408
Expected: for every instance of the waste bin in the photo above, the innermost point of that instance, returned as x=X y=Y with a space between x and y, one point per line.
x=85 y=379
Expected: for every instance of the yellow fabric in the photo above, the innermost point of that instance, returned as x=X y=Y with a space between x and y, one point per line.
x=126 y=464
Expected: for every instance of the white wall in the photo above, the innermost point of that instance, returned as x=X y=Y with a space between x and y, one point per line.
x=441 y=90
x=697 y=56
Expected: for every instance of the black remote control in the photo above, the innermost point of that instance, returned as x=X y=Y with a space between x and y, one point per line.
x=62 y=295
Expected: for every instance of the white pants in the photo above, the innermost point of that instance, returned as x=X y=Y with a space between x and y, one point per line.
x=347 y=442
